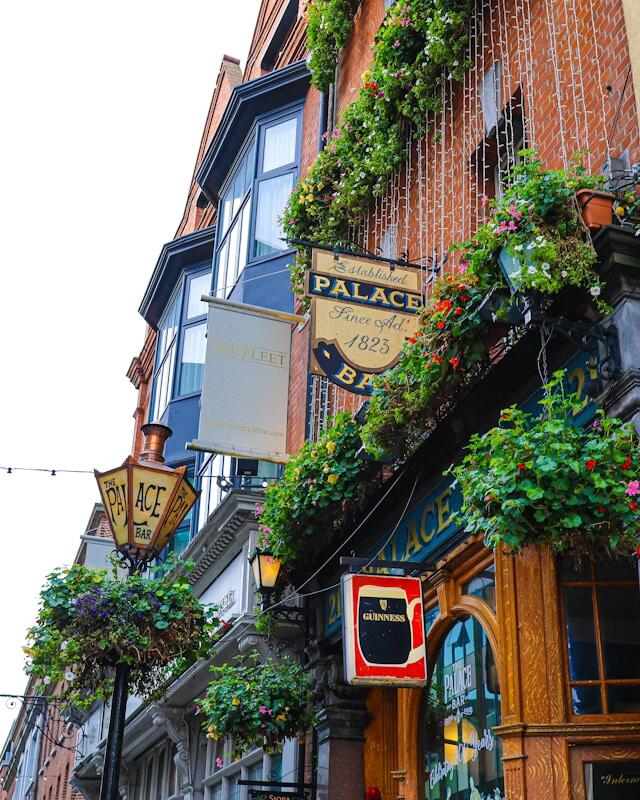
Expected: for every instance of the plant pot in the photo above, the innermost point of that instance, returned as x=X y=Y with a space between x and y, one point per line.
x=597 y=208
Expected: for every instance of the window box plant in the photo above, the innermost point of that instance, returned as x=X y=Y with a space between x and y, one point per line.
x=90 y=621
x=257 y=704
x=545 y=481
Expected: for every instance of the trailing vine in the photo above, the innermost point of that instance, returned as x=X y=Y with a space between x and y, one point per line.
x=418 y=49
x=329 y=25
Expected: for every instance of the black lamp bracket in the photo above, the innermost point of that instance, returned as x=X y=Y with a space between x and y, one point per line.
x=599 y=342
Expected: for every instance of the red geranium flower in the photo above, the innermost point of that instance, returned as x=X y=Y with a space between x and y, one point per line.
x=591 y=464
x=455 y=361
x=627 y=463
x=437 y=359
x=411 y=339
x=457 y=311
x=601 y=509
x=440 y=324
x=522 y=466
x=633 y=506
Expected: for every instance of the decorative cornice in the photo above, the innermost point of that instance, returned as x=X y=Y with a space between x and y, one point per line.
x=571 y=730
x=187 y=251
x=249 y=100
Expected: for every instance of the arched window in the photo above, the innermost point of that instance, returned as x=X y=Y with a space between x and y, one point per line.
x=462 y=754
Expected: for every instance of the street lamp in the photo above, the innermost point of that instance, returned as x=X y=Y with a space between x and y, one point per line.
x=266 y=569
x=145 y=502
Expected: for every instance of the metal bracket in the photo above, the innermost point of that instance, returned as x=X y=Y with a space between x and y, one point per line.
x=356 y=564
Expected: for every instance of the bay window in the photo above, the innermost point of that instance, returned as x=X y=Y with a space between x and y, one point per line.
x=254 y=197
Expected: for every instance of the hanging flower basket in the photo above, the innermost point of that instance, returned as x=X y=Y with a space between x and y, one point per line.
x=597 y=208
x=88 y=622
x=257 y=704
x=543 y=480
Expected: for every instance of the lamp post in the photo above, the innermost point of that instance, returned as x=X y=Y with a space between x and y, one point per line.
x=145 y=502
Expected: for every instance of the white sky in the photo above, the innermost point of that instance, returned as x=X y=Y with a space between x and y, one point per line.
x=102 y=108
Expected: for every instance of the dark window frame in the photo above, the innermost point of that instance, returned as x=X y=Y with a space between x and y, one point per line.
x=602 y=682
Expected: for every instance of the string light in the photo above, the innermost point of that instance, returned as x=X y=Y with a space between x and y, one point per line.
x=52 y=472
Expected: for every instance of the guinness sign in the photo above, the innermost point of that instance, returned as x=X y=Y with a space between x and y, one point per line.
x=383 y=630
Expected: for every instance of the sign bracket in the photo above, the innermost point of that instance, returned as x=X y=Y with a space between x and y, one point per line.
x=356 y=564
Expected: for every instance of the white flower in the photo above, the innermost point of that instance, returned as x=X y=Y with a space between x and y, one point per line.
x=46 y=680
x=564 y=273
x=64 y=645
x=546 y=265
x=69 y=676
x=539 y=238
x=532 y=270
x=518 y=247
x=531 y=246
x=595 y=291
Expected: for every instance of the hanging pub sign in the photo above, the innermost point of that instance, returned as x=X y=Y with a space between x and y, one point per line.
x=245 y=391
x=362 y=311
x=383 y=630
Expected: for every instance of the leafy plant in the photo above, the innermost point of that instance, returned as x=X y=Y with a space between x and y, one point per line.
x=257 y=704
x=450 y=342
x=544 y=480
x=418 y=49
x=539 y=225
x=89 y=621
x=329 y=25
x=319 y=487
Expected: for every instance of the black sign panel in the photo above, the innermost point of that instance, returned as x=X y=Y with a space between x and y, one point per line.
x=274 y=794
x=613 y=780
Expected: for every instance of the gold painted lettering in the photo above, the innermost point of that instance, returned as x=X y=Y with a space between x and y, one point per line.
x=339 y=289
x=427 y=534
x=444 y=515
x=394 y=301
x=320 y=282
x=378 y=295
x=413 y=544
x=346 y=374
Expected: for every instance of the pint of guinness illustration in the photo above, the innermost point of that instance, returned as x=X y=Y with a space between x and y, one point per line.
x=383 y=630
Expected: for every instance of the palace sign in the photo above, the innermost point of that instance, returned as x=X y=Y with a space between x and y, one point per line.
x=383 y=630
x=362 y=311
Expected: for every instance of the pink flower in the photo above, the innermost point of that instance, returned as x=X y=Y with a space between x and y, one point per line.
x=503 y=226
x=196 y=711
x=396 y=43
x=464 y=263
x=596 y=424
x=380 y=93
x=484 y=199
x=512 y=225
x=633 y=488
x=263 y=709
x=259 y=511
x=219 y=763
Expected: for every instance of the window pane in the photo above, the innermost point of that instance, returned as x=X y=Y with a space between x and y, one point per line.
x=232 y=261
x=572 y=570
x=430 y=616
x=244 y=236
x=616 y=569
x=483 y=586
x=586 y=700
x=226 y=211
x=275 y=768
x=234 y=788
x=623 y=699
x=619 y=610
x=197 y=287
x=279 y=145
x=254 y=772
x=216 y=792
x=193 y=353
x=221 y=271
x=583 y=659
x=272 y=197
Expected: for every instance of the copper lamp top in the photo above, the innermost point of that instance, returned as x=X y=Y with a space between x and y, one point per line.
x=155 y=437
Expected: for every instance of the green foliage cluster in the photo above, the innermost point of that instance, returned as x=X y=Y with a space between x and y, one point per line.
x=419 y=48
x=544 y=480
x=539 y=225
x=257 y=704
x=89 y=621
x=329 y=25
x=319 y=484
x=449 y=344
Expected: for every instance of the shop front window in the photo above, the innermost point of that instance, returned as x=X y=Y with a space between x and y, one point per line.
x=463 y=759
x=601 y=613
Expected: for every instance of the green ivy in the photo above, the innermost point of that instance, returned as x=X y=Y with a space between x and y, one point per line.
x=329 y=25
x=449 y=344
x=544 y=480
x=89 y=621
x=418 y=49
x=257 y=704
x=320 y=485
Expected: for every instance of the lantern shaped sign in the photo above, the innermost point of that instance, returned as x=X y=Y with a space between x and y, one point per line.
x=145 y=500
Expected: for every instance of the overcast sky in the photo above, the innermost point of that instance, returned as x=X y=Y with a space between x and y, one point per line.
x=102 y=108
